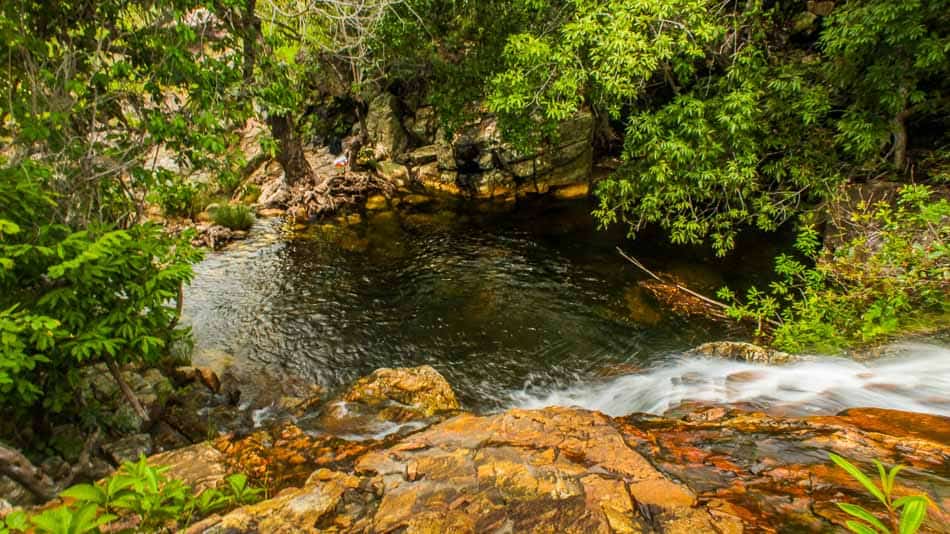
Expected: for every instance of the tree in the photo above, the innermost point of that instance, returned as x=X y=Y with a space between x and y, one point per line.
x=92 y=93
x=722 y=132
x=890 y=62
x=730 y=122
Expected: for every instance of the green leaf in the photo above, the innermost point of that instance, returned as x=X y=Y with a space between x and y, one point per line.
x=859 y=528
x=859 y=476
x=913 y=512
x=86 y=493
x=891 y=477
x=864 y=515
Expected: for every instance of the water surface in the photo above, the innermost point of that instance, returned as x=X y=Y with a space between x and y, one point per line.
x=529 y=308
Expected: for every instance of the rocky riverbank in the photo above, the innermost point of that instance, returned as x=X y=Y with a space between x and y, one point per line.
x=696 y=469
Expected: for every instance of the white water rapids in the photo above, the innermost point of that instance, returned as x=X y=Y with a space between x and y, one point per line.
x=914 y=377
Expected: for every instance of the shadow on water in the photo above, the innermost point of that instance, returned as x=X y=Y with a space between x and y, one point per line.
x=499 y=303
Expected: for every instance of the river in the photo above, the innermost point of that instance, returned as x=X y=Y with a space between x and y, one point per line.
x=525 y=309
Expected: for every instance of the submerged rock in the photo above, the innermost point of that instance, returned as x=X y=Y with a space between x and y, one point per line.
x=774 y=472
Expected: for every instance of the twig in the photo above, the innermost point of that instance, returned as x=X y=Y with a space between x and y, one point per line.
x=126 y=390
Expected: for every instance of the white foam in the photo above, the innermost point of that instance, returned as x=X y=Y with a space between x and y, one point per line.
x=916 y=378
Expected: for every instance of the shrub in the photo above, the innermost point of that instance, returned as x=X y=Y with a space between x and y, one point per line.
x=893 y=276
x=137 y=488
x=71 y=298
x=178 y=196
x=228 y=180
x=233 y=216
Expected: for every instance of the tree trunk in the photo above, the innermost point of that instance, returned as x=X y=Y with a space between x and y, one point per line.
x=252 y=30
x=899 y=131
x=289 y=149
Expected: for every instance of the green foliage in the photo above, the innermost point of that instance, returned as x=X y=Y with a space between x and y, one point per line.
x=157 y=502
x=885 y=58
x=16 y=521
x=891 y=275
x=233 y=216
x=729 y=123
x=178 y=196
x=105 y=104
x=74 y=297
x=905 y=514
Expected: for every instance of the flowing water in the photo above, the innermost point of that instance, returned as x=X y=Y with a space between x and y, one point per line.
x=524 y=309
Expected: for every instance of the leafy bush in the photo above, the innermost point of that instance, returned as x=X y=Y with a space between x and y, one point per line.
x=157 y=502
x=229 y=180
x=893 y=275
x=179 y=197
x=70 y=298
x=905 y=514
x=233 y=216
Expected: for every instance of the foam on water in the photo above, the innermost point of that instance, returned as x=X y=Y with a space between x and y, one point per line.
x=914 y=377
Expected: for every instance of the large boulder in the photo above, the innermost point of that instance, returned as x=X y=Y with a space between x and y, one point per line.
x=389 y=401
x=387 y=138
x=478 y=162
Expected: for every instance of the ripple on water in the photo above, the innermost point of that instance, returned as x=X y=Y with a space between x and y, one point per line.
x=518 y=311
x=492 y=306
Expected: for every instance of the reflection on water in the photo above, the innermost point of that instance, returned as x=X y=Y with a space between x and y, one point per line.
x=498 y=304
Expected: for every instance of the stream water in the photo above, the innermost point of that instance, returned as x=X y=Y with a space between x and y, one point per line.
x=527 y=308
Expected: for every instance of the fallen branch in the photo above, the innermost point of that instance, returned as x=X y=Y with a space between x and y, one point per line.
x=126 y=390
x=21 y=470
x=713 y=302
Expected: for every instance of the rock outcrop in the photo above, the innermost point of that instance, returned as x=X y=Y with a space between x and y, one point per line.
x=421 y=388
x=572 y=470
x=476 y=161
x=388 y=401
x=774 y=473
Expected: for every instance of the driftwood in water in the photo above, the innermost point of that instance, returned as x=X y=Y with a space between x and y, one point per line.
x=679 y=298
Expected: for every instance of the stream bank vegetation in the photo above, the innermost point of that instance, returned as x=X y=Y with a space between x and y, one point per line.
x=726 y=117
x=138 y=498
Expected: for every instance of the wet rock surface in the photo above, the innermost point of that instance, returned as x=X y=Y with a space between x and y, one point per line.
x=774 y=473
x=421 y=388
x=388 y=401
x=572 y=470
x=740 y=351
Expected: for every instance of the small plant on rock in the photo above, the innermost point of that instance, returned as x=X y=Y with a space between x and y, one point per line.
x=904 y=514
x=138 y=498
